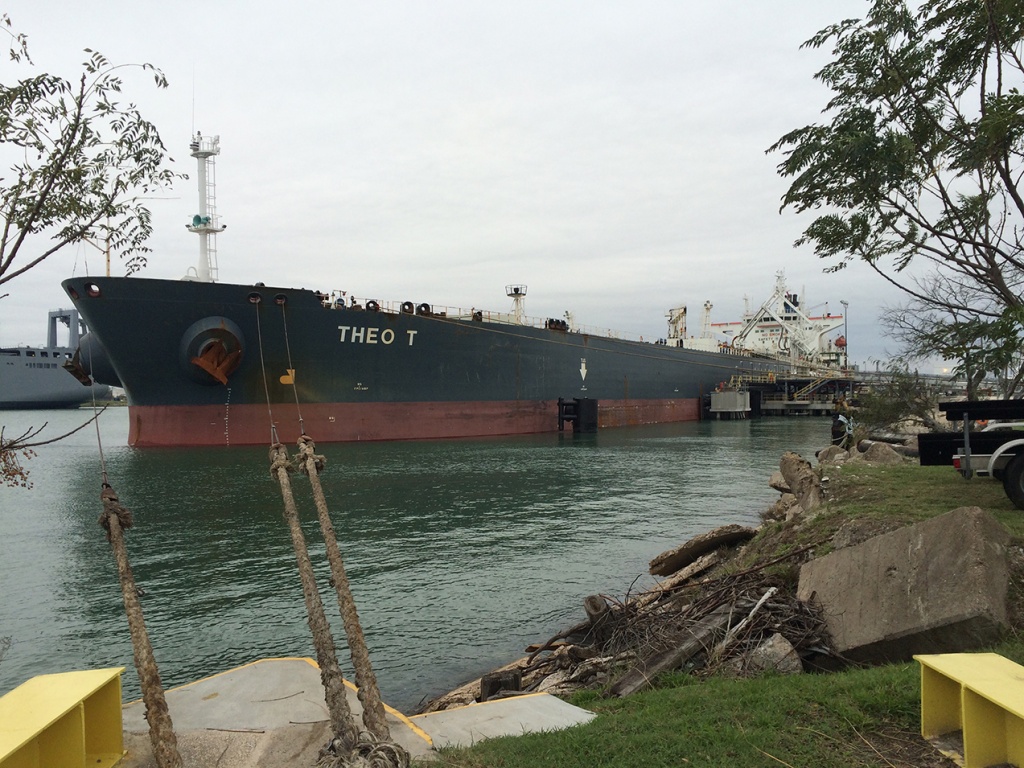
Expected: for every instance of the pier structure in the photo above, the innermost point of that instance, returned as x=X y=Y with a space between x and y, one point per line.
x=744 y=397
x=798 y=394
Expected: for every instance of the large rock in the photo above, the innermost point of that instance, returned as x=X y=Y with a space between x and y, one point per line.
x=778 y=482
x=833 y=454
x=802 y=480
x=881 y=453
x=673 y=560
x=935 y=587
x=776 y=654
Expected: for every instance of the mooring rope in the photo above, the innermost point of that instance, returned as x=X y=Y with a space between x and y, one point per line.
x=291 y=368
x=116 y=519
x=256 y=299
x=351 y=746
x=366 y=682
x=342 y=725
x=368 y=754
x=96 y=421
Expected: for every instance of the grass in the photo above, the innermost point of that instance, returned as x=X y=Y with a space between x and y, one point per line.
x=861 y=717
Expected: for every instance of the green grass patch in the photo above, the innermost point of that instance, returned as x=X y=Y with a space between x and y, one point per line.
x=806 y=720
x=910 y=493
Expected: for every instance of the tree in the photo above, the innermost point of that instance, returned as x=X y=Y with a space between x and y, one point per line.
x=921 y=164
x=898 y=399
x=81 y=163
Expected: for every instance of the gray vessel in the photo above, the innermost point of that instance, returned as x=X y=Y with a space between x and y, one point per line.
x=34 y=377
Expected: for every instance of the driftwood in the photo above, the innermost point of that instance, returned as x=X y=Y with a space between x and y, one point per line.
x=600 y=617
x=702 y=635
x=497 y=684
x=671 y=561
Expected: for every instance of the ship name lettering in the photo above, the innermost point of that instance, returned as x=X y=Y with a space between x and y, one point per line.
x=356 y=335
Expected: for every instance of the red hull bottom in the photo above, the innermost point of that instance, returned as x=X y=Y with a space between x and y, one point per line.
x=186 y=425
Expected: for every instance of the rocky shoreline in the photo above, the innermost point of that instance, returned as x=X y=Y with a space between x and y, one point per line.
x=741 y=601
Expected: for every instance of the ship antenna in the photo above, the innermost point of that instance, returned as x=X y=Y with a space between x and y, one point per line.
x=206 y=223
x=518 y=295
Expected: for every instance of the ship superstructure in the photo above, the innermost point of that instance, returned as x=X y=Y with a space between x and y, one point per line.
x=781 y=327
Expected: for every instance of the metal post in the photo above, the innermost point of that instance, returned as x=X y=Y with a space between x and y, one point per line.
x=846 y=338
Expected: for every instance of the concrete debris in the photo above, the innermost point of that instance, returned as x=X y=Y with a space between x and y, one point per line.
x=934 y=587
x=776 y=655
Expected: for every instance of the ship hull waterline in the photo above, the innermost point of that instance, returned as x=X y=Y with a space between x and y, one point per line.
x=279 y=357
x=213 y=425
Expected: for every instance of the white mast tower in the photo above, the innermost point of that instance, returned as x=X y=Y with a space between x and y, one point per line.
x=206 y=223
x=518 y=295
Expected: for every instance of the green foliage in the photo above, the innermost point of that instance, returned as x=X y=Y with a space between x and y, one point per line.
x=920 y=162
x=81 y=162
x=899 y=398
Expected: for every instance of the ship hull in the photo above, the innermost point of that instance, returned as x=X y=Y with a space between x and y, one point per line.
x=31 y=378
x=214 y=425
x=288 y=362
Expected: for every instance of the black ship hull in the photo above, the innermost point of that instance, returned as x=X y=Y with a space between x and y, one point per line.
x=219 y=364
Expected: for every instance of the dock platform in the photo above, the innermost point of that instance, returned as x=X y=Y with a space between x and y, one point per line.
x=272 y=714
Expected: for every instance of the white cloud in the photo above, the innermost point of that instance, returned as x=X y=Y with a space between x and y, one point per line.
x=609 y=155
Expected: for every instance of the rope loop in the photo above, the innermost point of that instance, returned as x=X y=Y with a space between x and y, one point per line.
x=369 y=752
x=279 y=460
x=306 y=447
x=111 y=506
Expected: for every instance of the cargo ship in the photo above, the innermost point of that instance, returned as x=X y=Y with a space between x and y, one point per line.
x=209 y=363
x=32 y=377
x=205 y=363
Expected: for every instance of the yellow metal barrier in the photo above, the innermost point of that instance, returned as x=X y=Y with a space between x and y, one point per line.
x=68 y=720
x=980 y=695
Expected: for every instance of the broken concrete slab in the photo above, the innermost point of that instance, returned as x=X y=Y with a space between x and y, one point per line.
x=935 y=587
x=530 y=713
x=802 y=480
x=778 y=483
x=266 y=714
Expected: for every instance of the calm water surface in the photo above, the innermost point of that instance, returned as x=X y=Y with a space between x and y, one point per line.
x=460 y=553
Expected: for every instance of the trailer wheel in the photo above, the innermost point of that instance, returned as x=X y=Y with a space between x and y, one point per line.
x=1013 y=480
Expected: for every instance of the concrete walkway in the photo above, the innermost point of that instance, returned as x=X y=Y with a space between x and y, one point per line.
x=271 y=714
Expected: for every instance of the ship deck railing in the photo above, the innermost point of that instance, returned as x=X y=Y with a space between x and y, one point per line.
x=343 y=301
x=501 y=318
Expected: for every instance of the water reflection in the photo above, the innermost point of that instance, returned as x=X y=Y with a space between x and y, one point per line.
x=459 y=552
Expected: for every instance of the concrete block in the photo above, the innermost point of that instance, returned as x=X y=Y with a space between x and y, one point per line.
x=935 y=587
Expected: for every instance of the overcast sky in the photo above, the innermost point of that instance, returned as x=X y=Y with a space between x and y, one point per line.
x=609 y=155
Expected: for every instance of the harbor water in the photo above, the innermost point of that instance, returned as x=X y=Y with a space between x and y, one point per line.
x=460 y=553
